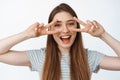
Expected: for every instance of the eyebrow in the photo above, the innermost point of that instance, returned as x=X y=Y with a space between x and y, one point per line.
x=70 y=20
x=67 y=21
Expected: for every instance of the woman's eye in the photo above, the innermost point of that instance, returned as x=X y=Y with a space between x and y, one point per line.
x=71 y=24
x=57 y=25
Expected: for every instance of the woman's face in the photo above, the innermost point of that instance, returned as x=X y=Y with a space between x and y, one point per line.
x=65 y=24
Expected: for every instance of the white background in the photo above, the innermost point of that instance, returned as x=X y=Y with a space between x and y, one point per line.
x=17 y=15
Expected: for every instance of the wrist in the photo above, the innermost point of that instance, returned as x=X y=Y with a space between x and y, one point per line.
x=25 y=35
x=103 y=35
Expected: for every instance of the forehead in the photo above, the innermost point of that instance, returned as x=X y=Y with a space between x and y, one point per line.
x=63 y=16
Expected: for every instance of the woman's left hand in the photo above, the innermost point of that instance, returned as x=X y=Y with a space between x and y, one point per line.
x=92 y=27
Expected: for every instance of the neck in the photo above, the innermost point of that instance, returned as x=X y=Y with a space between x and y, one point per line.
x=64 y=50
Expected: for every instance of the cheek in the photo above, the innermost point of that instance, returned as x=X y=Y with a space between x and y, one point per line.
x=55 y=37
x=74 y=34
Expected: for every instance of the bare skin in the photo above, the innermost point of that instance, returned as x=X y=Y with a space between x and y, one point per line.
x=19 y=58
x=95 y=29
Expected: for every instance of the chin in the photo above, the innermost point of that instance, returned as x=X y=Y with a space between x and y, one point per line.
x=66 y=46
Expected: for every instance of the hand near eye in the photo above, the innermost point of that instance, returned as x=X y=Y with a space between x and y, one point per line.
x=91 y=27
x=38 y=29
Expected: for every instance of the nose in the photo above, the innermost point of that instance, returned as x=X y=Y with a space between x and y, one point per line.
x=65 y=29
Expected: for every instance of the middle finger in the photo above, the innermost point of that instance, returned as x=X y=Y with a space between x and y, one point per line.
x=51 y=23
x=80 y=22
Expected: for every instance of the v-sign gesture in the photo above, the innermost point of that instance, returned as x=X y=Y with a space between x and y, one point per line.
x=91 y=27
x=38 y=29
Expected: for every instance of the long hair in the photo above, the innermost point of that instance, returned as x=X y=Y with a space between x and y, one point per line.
x=79 y=69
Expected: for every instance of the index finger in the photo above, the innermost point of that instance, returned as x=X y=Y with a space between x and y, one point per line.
x=51 y=23
x=80 y=22
x=53 y=32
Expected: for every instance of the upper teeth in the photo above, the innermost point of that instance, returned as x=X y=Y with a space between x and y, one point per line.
x=65 y=36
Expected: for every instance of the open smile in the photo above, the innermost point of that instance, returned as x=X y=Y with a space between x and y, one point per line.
x=65 y=38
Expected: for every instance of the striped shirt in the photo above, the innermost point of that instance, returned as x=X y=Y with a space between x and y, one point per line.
x=37 y=58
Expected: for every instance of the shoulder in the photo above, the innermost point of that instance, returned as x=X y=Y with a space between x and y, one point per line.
x=94 y=54
x=36 y=57
x=36 y=54
x=94 y=59
x=37 y=51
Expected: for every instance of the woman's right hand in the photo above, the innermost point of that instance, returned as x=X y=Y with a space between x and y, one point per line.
x=38 y=29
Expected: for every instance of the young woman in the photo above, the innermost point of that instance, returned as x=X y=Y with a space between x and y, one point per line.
x=64 y=56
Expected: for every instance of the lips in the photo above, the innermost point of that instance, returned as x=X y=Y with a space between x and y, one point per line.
x=65 y=38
